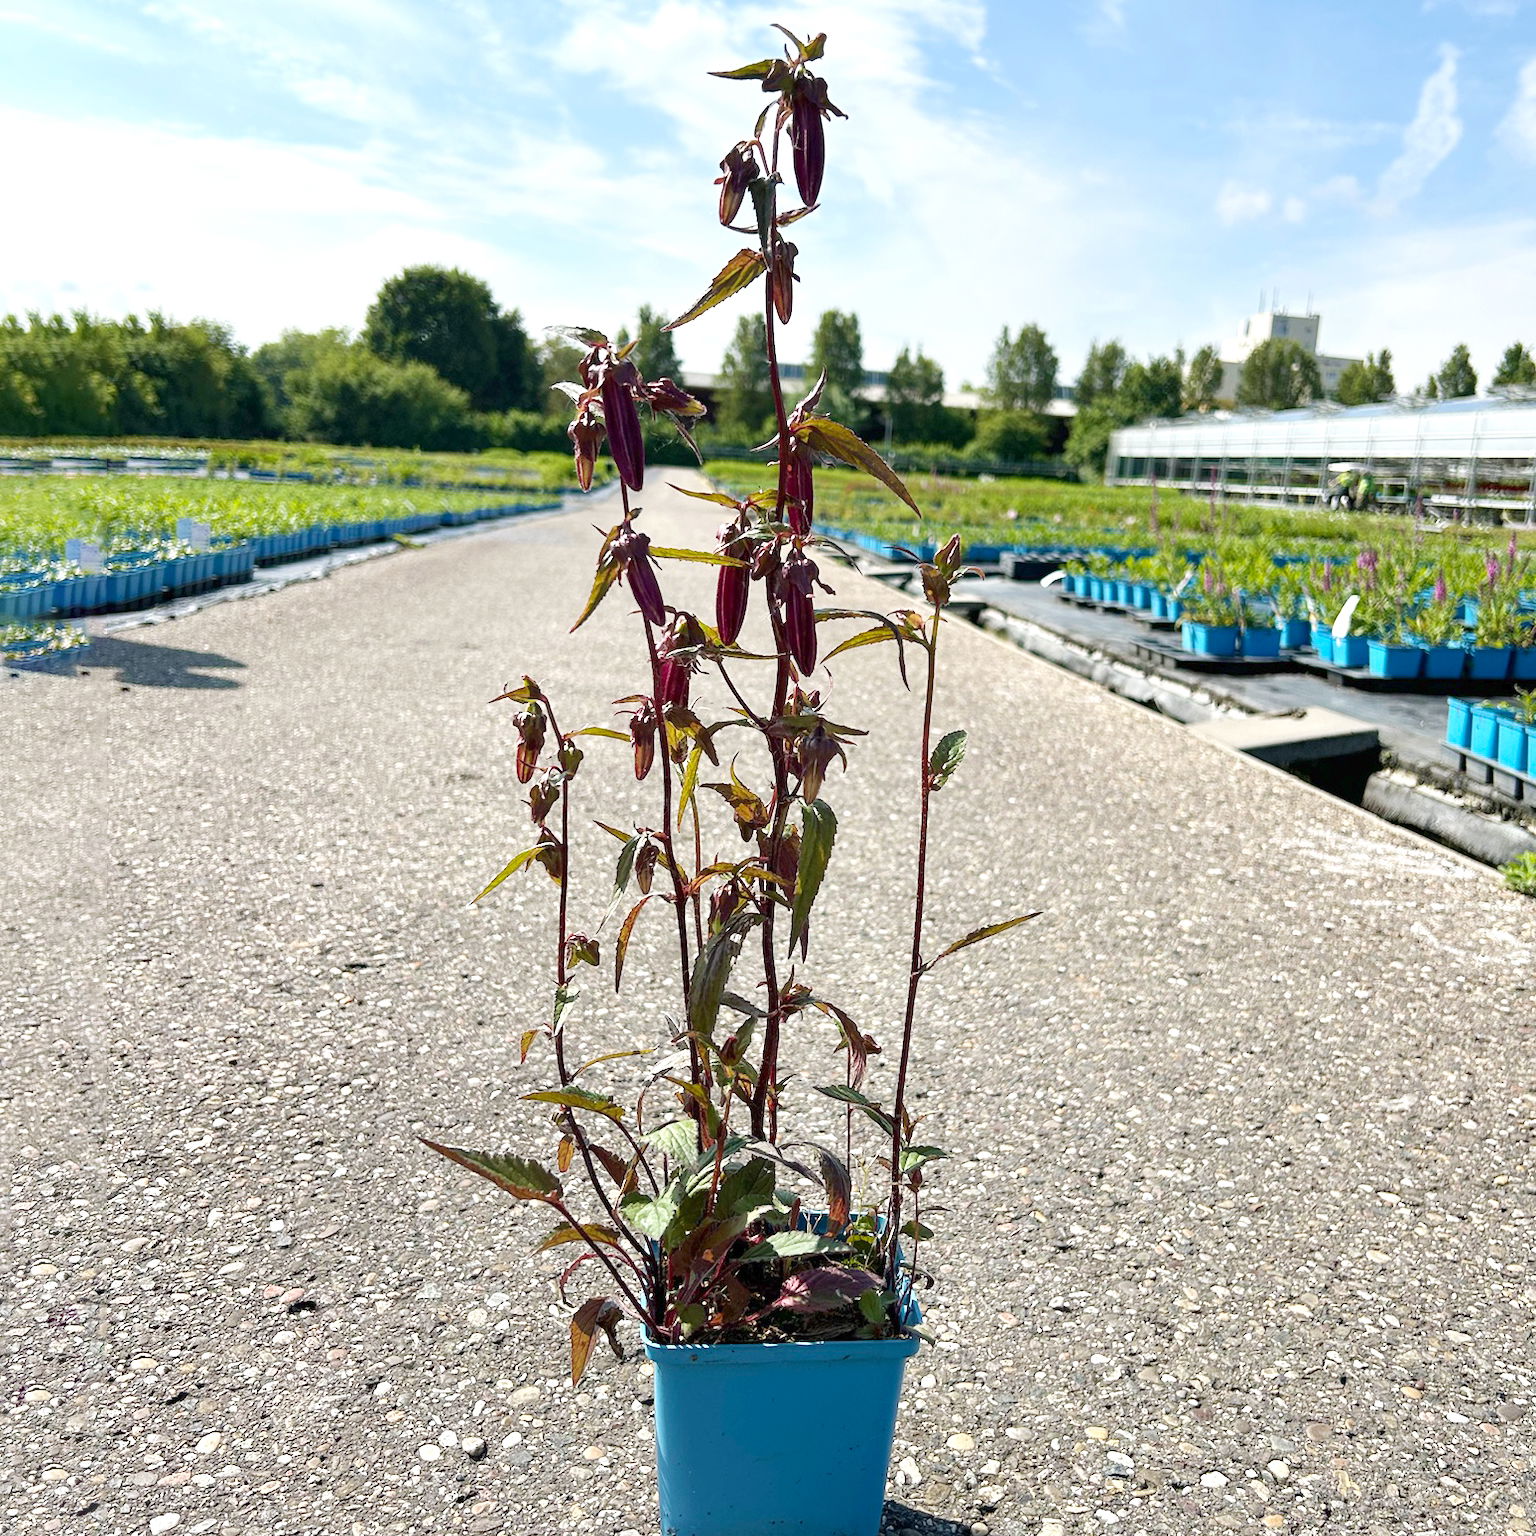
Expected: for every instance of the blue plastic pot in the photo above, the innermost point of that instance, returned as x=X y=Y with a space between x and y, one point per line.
x=1211 y=639
x=793 y=1439
x=1078 y=585
x=1395 y=661
x=1122 y=593
x=1141 y=596
x=1262 y=643
x=1489 y=663
x=1484 y=736
x=1524 y=669
x=1444 y=662
x=1510 y=744
x=1458 y=723
x=1322 y=641
x=1351 y=651
x=1096 y=586
x=1158 y=605
x=1295 y=634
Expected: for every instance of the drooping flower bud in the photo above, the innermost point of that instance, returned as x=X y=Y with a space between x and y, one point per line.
x=740 y=169
x=586 y=435
x=530 y=742
x=799 y=488
x=733 y=586
x=581 y=950
x=781 y=278
x=642 y=731
x=808 y=141
x=799 y=616
x=631 y=549
x=622 y=419
x=808 y=106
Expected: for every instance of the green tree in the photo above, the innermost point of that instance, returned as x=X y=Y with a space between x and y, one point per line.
x=655 y=352
x=746 y=401
x=1517 y=366
x=1365 y=383
x=837 y=347
x=351 y=395
x=447 y=319
x=519 y=383
x=293 y=352
x=1088 y=439
x=1102 y=373
x=1279 y=375
x=1022 y=372
x=914 y=398
x=1432 y=388
x=1202 y=380
x=1457 y=377
x=1154 y=388
x=1010 y=437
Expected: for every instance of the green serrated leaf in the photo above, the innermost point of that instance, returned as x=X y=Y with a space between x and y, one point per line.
x=835 y=440
x=754 y=71
x=818 y=832
x=579 y=1098
x=698 y=556
x=677 y=1139
x=795 y=1245
x=945 y=758
x=517 y=863
x=748 y=1188
x=976 y=935
x=846 y=1095
x=522 y=1178
x=587 y=1232
x=873 y=1305
x=743 y=269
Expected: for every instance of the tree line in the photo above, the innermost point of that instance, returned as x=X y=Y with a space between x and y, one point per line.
x=439 y=364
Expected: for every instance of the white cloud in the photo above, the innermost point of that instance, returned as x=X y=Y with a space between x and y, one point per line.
x=911 y=167
x=1106 y=23
x=1236 y=204
x=1294 y=210
x=1434 y=132
x=1518 y=130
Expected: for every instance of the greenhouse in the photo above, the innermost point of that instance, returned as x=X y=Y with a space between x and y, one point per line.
x=1473 y=458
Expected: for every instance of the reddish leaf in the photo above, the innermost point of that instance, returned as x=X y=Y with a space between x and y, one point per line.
x=521 y=1178
x=621 y=945
x=589 y=1232
x=823 y=1290
x=591 y=1315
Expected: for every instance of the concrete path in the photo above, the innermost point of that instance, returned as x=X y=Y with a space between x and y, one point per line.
x=1238 y=1229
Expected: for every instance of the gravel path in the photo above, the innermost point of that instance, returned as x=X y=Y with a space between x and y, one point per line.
x=1239 y=1226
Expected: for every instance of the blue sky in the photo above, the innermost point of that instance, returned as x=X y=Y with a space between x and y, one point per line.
x=1133 y=168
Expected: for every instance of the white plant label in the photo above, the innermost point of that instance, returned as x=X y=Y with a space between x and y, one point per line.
x=1053 y=578
x=85 y=554
x=1189 y=576
x=190 y=531
x=1346 y=613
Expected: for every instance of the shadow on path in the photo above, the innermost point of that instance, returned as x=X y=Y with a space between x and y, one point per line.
x=159 y=666
x=902 y=1517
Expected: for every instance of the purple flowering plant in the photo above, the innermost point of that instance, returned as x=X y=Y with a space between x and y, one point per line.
x=690 y=1201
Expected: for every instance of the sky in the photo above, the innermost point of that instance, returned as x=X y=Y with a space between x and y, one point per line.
x=1141 y=169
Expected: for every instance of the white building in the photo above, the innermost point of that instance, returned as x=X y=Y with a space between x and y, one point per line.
x=1269 y=325
x=1474 y=457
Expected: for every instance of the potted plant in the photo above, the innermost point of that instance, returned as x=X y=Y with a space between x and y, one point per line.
x=1211 y=615
x=1437 y=627
x=1511 y=746
x=1499 y=625
x=771 y=1272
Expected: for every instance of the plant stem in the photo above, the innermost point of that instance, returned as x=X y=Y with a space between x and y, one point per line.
x=915 y=976
x=764 y=1099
